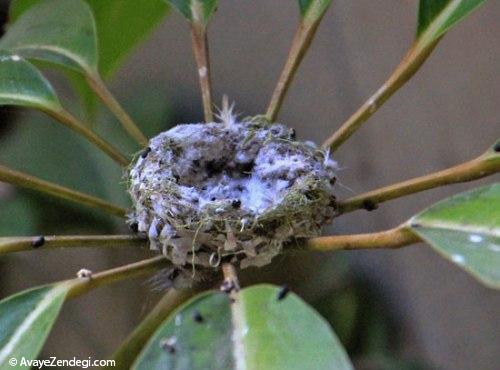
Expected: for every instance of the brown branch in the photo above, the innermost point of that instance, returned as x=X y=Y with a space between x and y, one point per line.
x=482 y=166
x=393 y=238
x=410 y=64
x=300 y=45
x=82 y=285
x=18 y=244
x=34 y=183
x=201 y=54
x=73 y=123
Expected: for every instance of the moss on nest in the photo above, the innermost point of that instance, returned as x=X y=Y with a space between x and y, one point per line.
x=234 y=191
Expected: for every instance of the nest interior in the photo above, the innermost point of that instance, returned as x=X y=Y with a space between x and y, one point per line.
x=236 y=191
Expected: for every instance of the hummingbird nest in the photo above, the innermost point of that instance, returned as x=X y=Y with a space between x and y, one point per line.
x=230 y=191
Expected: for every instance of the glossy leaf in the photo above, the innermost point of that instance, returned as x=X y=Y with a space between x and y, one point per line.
x=272 y=334
x=435 y=17
x=196 y=11
x=57 y=31
x=120 y=24
x=466 y=230
x=313 y=9
x=26 y=319
x=23 y=85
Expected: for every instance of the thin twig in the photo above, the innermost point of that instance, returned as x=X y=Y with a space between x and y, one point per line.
x=410 y=64
x=393 y=238
x=482 y=166
x=81 y=286
x=132 y=346
x=201 y=55
x=18 y=244
x=34 y=183
x=300 y=44
x=73 y=123
x=99 y=87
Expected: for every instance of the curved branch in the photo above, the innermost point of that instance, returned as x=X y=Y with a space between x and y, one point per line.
x=300 y=44
x=18 y=244
x=410 y=64
x=73 y=123
x=34 y=183
x=394 y=238
x=482 y=166
x=82 y=285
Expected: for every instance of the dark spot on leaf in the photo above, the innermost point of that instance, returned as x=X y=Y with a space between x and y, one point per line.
x=283 y=292
x=168 y=345
x=197 y=317
x=38 y=242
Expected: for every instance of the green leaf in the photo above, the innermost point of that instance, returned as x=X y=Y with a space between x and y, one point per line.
x=195 y=11
x=57 y=31
x=257 y=332
x=313 y=9
x=466 y=230
x=121 y=25
x=435 y=17
x=23 y=85
x=26 y=319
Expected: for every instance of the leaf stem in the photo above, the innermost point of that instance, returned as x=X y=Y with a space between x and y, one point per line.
x=201 y=55
x=482 y=166
x=18 y=244
x=410 y=64
x=99 y=87
x=80 y=286
x=300 y=44
x=132 y=346
x=34 y=183
x=73 y=123
x=394 y=238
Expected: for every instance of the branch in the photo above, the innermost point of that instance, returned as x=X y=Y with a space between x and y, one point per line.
x=73 y=123
x=132 y=346
x=393 y=238
x=300 y=44
x=201 y=55
x=18 y=244
x=410 y=64
x=34 y=183
x=83 y=285
x=99 y=87
x=482 y=166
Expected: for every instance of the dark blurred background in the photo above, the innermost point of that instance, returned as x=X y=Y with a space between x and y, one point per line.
x=403 y=309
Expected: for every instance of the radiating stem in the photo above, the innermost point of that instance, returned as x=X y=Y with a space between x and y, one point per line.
x=485 y=165
x=393 y=238
x=99 y=87
x=18 y=244
x=34 y=183
x=132 y=346
x=300 y=45
x=73 y=123
x=410 y=64
x=201 y=54
x=81 y=286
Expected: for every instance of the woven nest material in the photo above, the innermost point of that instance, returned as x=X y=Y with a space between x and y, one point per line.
x=233 y=191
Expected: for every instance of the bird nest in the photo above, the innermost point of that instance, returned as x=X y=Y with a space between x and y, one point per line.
x=231 y=191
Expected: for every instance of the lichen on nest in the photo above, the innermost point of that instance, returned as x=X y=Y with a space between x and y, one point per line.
x=230 y=191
